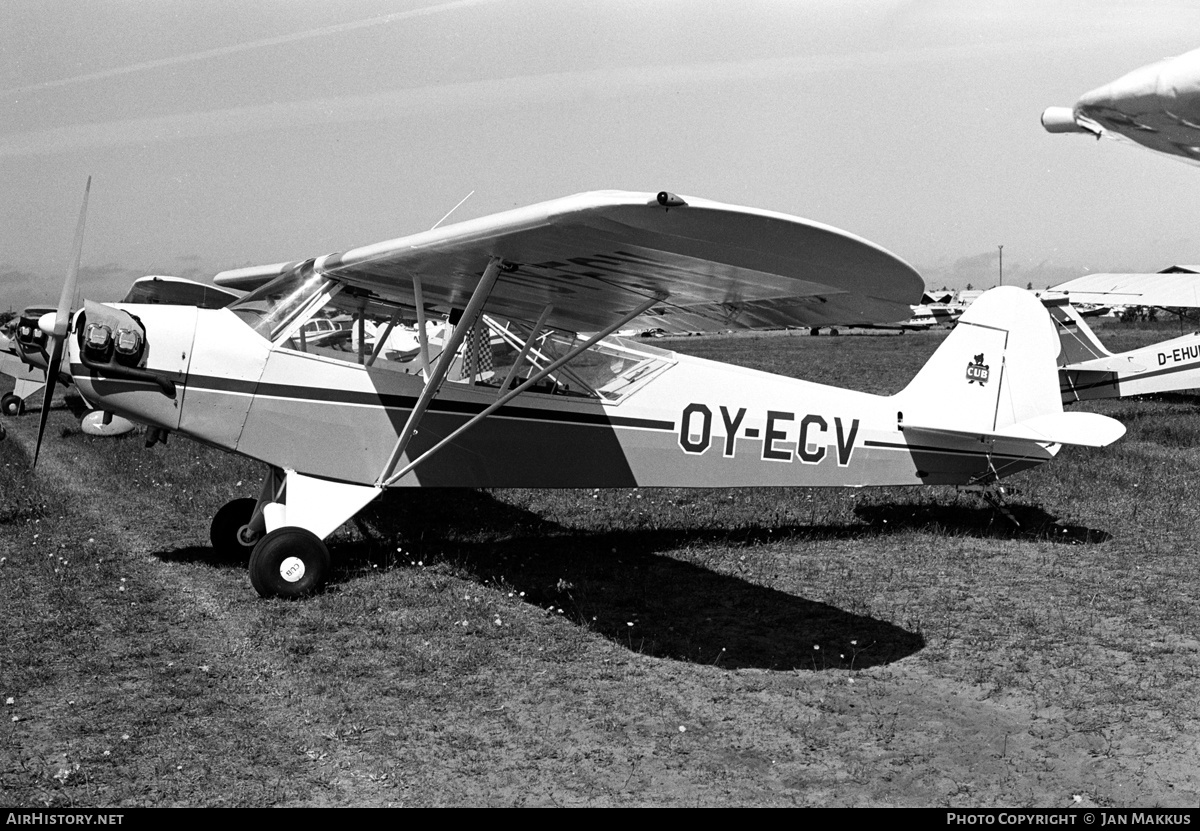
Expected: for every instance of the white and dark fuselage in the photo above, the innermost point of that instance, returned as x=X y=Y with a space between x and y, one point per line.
x=683 y=421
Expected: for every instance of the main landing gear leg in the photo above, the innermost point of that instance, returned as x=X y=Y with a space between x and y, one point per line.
x=291 y=559
x=239 y=525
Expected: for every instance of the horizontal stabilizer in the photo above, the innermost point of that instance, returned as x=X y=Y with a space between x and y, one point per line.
x=1082 y=429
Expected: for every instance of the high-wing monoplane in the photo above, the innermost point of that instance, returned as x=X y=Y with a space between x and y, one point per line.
x=1156 y=106
x=1089 y=370
x=516 y=395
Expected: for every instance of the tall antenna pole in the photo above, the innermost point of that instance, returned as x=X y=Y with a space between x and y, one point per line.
x=1001 y=247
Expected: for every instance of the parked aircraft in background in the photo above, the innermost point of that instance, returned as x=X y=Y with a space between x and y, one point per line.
x=1156 y=106
x=1089 y=370
x=930 y=313
x=552 y=408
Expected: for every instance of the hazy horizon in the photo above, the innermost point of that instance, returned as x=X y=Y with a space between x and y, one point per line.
x=221 y=135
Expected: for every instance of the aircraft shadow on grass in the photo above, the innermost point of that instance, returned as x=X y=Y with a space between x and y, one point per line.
x=607 y=580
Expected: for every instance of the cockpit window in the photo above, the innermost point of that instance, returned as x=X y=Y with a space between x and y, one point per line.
x=270 y=309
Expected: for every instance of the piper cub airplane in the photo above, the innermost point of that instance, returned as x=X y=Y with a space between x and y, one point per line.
x=515 y=397
x=1089 y=370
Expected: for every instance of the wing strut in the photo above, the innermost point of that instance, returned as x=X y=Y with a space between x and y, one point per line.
x=382 y=339
x=387 y=481
x=422 y=337
x=537 y=330
x=434 y=381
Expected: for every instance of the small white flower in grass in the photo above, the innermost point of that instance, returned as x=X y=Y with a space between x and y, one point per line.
x=629 y=623
x=1078 y=797
x=9 y=701
x=124 y=737
x=108 y=753
x=682 y=729
x=16 y=718
x=816 y=648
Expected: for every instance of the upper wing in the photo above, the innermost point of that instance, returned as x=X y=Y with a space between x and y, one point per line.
x=595 y=255
x=1179 y=290
x=1156 y=106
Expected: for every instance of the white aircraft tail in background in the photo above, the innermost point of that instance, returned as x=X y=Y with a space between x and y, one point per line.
x=1088 y=370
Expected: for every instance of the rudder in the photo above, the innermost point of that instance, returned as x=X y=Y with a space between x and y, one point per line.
x=995 y=369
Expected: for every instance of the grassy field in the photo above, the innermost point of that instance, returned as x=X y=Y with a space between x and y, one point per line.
x=614 y=648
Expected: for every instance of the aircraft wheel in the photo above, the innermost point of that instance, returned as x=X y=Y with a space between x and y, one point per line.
x=12 y=404
x=289 y=562
x=228 y=533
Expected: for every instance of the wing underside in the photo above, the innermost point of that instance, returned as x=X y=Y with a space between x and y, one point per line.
x=1180 y=290
x=592 y=257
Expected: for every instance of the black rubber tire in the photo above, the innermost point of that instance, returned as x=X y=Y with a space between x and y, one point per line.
x=223 y=533
x=11 y=404
x=289 y=562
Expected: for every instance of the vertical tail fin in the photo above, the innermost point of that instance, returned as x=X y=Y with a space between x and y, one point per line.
x=1077 y=340
x=996 y=375
x=995 y=369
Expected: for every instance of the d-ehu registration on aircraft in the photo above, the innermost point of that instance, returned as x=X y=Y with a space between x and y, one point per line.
x=517 y=397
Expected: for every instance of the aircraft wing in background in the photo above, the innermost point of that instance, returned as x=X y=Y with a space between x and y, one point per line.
x=1175 y=290
x=1156 y=106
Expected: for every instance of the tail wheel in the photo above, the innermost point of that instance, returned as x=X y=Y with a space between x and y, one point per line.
x=12 y=404
x=230 y=537
x=289 y=562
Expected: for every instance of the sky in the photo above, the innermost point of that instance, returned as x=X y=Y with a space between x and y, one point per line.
x=222 y=134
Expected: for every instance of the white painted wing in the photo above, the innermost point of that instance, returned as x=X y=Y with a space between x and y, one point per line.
x=595 y=255
x=1174 y=289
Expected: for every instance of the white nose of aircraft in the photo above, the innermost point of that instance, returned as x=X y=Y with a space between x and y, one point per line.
x=46 y=323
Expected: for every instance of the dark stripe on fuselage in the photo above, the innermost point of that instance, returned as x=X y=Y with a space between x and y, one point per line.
x=212 y=383
x=925 y=448
x=1115 y=380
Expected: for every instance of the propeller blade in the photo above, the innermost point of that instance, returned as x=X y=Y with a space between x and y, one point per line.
x=51 y=382
x=62 y=319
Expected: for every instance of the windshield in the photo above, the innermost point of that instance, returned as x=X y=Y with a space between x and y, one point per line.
x=270 y=309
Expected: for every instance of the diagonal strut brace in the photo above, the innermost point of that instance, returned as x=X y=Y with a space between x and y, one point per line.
x=529 y=382
x=434 y=381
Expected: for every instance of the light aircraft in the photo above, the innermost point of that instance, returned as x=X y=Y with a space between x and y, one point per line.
x=558 y=409
x=1156 y=106
x=930 y=313
x=1089 y=370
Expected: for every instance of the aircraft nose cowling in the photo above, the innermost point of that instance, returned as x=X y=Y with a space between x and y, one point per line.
x=132 y=359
